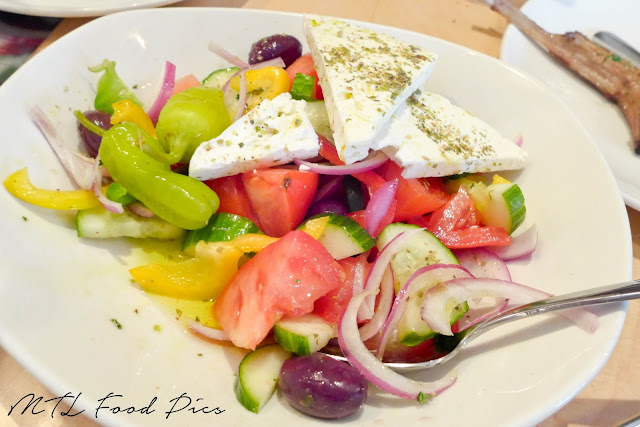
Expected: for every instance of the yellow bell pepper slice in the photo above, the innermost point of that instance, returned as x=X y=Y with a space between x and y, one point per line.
x=20 y=186
x=128 y=111
x=315 y=227
x=497 y=179
x=269 y=81
x=201 y=278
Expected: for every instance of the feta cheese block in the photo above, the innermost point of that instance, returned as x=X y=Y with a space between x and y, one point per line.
x=272 y=133
x=428 y=136
x=365 y=76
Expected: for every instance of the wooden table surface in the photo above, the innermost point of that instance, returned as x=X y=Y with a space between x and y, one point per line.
x=611 y=398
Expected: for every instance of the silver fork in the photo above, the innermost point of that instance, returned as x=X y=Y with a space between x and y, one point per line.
x=452 y=345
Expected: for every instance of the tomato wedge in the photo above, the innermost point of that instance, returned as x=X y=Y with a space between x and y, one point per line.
x=416 y=196
x=331 y=306
x=233 y=196
x=280 y=197
x=285 y=278
x=456 y=224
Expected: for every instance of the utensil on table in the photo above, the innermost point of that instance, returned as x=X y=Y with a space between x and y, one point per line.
x=452 y=345
x=618 y=45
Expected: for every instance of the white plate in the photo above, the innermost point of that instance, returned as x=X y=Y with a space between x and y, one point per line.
x=58 y=293
x=603 y=119
x=75 y=8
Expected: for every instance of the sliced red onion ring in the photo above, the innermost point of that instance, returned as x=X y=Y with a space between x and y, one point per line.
x=440 y=299
x=358 y=275
x=242 y=100
x=226 y=55
x=205 y=331
x=368 y=164
x=483 y=263
x=165 y=92
x=422 y=278
x=78 y=170
x=379 y=205
x=521 y=245
x=109 y=205
x=374 y=278
x=371 y=328
x=89 y=161
x=377 y=372
x=519 y=140
x=479 y=312
x=141 y=210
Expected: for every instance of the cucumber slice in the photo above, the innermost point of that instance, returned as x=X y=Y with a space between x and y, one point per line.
x=343 y=237
x=423 y=249
x=221 y=227
x=304 y=335
x=218 y=78
x=258 y=376
x=504 y=207
x=317 y=112
x=100 y=223
x=412 y=330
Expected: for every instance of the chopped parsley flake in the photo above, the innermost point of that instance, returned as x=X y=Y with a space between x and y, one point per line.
x=115 y=322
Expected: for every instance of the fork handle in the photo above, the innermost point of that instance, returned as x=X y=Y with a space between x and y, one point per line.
x=602 y=295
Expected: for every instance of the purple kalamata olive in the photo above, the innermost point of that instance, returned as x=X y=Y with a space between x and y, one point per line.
x=322 y=387
x=284 y=46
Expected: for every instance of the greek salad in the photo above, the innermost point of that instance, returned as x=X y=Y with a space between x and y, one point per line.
x=325 y=203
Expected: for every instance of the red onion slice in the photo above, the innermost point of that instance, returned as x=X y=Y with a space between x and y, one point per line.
x=378 y=267
x=109 y=205
x=141 y=210
x=440 y=299
x=483 y=263
x=521 y=245
x=377 y=372
x=331 y=187
x=371 y=328
x=165 y=92
x=424 y=277
x=358 y=274
x=205 y=331
x=368 y=164
x=226 y=55
x=78 y=170
x=379 y=205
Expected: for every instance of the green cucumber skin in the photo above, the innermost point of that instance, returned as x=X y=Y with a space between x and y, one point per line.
x=257 y=359
x=218 y=78
x=99 y=223
x=514 y=198
x=221 y=227
x=300 y=347
x=344 y=237
x=303 y=335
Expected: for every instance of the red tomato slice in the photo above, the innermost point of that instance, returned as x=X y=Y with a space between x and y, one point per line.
x=456 y=224
x=233 y=196
x=304 y=65
x=280 y=197
x=417 y=196
x=285 y=278
x=328 y=151
x=357 y=216
x=331 y=306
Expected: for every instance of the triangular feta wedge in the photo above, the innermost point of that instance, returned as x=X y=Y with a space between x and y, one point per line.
x=272 y=133
x=365 y=76
x=428 y=136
